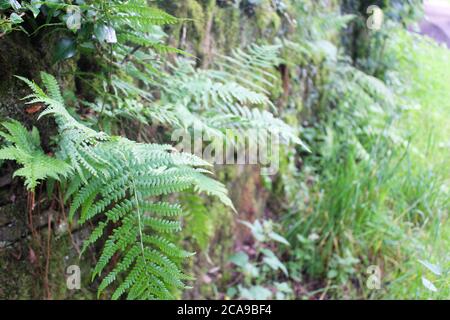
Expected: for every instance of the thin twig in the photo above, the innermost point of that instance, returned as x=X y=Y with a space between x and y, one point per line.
x=47 y=262
x=69 y=224
x=127 y=57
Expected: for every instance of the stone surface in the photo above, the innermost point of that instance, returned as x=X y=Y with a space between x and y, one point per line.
x=436 y=23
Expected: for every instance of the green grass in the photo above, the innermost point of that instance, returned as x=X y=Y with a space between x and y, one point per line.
x=389 y=208
x=426 y=173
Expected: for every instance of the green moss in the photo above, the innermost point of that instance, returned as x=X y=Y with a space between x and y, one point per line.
x=17 y=57
x=21 y=278
x=230 y=28
x=268 y=22
x=64 y=255
x=227 y=22
x=194 y=11
x=16 y=278
x=212 y=238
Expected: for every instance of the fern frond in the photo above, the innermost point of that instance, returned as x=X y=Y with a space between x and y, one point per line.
x=139 y=14
x=233 y=97
x=26 y=151
x=118 y=183
x=76 y=138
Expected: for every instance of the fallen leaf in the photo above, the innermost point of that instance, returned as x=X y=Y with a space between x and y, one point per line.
x=32 y=256
x=34 y=108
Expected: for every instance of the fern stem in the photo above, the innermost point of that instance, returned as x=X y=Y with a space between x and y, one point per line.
x=141 y=236
x=47 y=260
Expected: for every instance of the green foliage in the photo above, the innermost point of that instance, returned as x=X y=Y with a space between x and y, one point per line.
x=420 y=76
x=370 y=194
x=318 y=21
x=213 y=100
x=117 y=21
x=258 y=270
x=219 y=98
x=373 y=191
x=342 y=227
x=201 y=219
x=76 y=139
x=122 y=183
x=11 y=13
x=26 y=150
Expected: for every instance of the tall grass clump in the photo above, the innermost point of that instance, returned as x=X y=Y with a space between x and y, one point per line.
x=375 y=192
x=424 y=181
